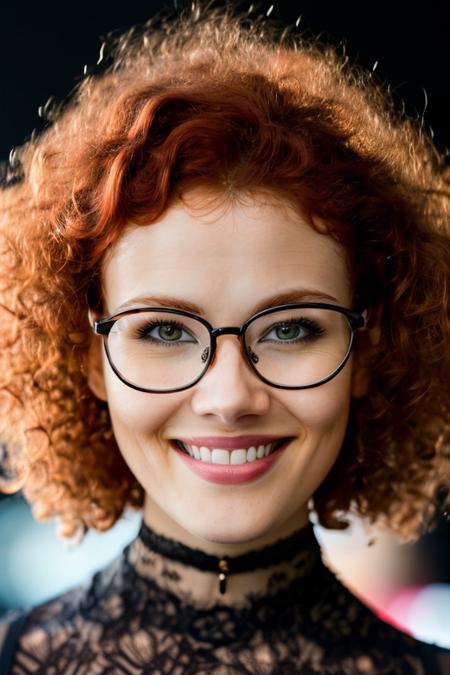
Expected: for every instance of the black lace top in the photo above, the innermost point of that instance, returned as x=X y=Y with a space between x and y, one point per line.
x=153 y=612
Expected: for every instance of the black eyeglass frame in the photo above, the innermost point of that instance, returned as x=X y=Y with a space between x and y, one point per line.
x=103 y=327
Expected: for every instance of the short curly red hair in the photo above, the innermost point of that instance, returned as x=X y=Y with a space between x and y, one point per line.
x=216 y=101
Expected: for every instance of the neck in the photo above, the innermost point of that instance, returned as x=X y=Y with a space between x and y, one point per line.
x=223 y=574
x=159 y=521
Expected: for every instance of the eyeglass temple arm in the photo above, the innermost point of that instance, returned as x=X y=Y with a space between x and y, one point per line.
x=103 y=326
x=358 y=319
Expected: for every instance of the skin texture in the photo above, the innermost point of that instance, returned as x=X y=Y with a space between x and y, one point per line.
x=227 y=257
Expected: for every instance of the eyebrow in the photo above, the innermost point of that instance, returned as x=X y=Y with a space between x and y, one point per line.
x=290 y=296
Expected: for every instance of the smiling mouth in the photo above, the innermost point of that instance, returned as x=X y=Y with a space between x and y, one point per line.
x=233 y=457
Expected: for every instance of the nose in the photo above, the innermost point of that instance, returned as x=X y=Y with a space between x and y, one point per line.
x=230 y=389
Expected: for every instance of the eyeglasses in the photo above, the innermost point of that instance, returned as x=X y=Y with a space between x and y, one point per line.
x=163 y=350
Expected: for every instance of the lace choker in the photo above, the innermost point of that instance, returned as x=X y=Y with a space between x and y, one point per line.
x=272 y=554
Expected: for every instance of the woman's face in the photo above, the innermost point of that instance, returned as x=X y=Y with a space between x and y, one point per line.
x=226 y=260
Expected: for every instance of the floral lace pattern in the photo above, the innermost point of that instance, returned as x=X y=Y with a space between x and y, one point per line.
x=137 y=618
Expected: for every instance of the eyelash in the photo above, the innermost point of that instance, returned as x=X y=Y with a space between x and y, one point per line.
x=142 y=331
x=309 y=324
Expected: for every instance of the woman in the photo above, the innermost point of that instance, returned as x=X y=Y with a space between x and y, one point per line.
x=225 y=295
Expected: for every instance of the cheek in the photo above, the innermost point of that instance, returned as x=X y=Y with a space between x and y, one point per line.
x=137 y=420
x=136 y=413
x=322 y=409
x=322 y=414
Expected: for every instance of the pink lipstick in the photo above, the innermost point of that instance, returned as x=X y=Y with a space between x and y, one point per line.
x=232 y=474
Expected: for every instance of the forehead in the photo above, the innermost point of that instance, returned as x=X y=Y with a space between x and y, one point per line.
x=221 y=253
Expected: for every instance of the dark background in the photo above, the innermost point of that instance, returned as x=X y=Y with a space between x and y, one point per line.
x=44 y=46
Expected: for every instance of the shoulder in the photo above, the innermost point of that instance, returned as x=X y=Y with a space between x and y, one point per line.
x=379 y=644
x=62 y=628
x=435 y=658
x=33 y=631
x=11 y=625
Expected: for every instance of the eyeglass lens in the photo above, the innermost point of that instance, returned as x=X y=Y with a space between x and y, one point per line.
x=291 y=347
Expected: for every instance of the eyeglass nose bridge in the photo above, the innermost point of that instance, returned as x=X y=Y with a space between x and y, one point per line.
x=229 y=330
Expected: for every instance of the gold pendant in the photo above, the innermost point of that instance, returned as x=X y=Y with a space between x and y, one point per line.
x=223 y=570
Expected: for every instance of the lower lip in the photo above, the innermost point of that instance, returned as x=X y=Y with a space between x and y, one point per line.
x=231 y=474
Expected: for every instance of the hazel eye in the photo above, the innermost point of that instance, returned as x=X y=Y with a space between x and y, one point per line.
x=164 y=332
x=288 y=331
x=293 y=331
x=168 y=332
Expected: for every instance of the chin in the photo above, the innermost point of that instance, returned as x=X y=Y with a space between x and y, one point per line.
x=228 y=531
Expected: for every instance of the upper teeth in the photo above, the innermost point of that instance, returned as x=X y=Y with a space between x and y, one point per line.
x=221 y=456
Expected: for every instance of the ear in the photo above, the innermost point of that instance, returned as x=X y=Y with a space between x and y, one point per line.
x=366 y=340
x=96 y=376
